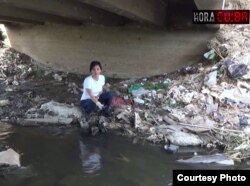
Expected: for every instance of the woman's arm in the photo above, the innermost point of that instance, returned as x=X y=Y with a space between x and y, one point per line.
x=93 y=98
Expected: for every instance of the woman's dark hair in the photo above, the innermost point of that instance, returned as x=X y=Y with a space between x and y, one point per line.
x=93 y=64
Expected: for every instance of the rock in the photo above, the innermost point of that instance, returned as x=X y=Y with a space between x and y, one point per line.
x=184 y=139
x=94 y=131
x=188 y=70
x=236 y=70
x=153 y=138
x=84 y=125
x=103 y=124
x=10 y=157
x=244 y=120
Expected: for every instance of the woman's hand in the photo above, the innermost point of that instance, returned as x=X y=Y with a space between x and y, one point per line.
x=99 y=105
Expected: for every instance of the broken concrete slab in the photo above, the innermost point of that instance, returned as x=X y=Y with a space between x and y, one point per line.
x=10 y=157
x=62 y=110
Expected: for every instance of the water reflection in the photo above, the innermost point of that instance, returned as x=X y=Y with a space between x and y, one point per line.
x=90 y=160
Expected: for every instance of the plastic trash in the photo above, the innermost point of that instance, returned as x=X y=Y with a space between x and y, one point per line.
x=134 y=87
x=235 y=70
x=171 y=148
x=138 y=100
x=244 y=120
x=211 y=79
x=140 y=92
x=211 y=55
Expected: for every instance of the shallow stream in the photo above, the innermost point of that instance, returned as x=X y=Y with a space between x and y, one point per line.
x=66 y=157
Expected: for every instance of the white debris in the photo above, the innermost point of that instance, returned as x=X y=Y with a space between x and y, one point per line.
x=210 y=54
x=236 y=94
x=139 y=100
x=10 y=157
x=225 y=162
x=57 y=77
x=211 y=79
x=137 y=120
x=4 y=102
x=139 y=92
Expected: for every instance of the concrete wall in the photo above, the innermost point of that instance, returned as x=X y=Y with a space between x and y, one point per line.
x=210 y=4
x=124 y=51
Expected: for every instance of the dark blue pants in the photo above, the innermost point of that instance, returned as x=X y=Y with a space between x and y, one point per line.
x=89 y=106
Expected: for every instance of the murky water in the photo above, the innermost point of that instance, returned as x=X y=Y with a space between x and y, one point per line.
x=65 y=157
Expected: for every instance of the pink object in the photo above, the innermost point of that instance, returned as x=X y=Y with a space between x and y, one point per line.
x=118 y=101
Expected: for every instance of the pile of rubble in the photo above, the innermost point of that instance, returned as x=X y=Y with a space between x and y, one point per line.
x=15 y=67
x=25 y=84
x=206 y=105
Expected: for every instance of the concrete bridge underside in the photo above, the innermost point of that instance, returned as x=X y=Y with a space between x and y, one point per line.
x=131 y=38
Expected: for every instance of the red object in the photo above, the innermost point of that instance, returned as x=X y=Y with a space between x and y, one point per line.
x=118 y=101
x=221 y=16
x=232 y=16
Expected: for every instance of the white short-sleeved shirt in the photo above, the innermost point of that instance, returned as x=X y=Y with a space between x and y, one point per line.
x=95 y=86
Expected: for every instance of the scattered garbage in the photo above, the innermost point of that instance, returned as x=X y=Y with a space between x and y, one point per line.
x=200 y=105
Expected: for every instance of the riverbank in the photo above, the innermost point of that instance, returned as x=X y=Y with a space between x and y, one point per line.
x=204 y=105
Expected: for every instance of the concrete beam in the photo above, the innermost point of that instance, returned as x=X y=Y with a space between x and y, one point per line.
x=150 y=11
x=7 y=19
x=123 y=51
x=67 y=9
x=15 y=13
x=210 y=4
